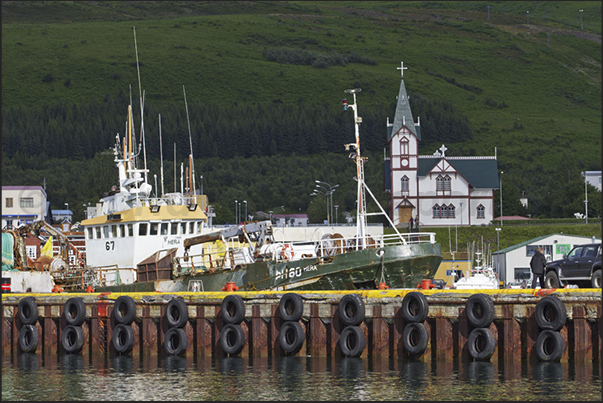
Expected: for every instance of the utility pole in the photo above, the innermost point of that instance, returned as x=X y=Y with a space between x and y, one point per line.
x=500 y=187
x=489 y=12
x=581 y=26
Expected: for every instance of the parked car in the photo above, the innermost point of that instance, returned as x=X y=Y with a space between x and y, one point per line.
x=582 y=264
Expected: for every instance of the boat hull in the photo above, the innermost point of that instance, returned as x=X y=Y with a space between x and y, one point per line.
x=398 y=266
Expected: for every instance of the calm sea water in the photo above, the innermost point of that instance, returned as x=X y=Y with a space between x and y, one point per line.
x=74 y=377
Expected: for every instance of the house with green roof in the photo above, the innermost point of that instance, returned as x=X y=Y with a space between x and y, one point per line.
x=435 y=190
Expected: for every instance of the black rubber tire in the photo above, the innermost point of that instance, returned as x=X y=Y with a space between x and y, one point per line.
x=352 y=341
x=122 y=339
x=232 y=339
x=74 y=311
x=550 y=313
x=28 y=338
x=549 y=346
x=233 y=309
x=291 y=307
x=124 y=310
x=481 y=344
x=415 y=338
x=415 y=307
x=176 y=341
x=176 y=313
x=479 y=310
x=72 y=339
x=291 y=337
x=597 y=279
x=351 y=309
x=28 y=311
x=551 y=280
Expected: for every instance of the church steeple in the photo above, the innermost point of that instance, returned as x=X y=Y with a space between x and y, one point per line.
x=403 y=116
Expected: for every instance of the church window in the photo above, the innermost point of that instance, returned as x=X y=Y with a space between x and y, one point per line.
x=481 y=211
x=439 y=183
x=436 y=211
x=447 y=183
x=404 y=149
x=451 y=211
x=443 y=211
x=405 y=184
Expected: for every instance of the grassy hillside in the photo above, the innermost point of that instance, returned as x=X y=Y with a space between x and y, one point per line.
x=532 y=92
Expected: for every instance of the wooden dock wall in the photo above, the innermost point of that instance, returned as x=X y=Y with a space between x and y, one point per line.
x=514 y=328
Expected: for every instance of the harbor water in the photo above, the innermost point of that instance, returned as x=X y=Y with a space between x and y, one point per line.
x=36 y=377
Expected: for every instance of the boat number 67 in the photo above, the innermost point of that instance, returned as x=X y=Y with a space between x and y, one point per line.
x=110 y=245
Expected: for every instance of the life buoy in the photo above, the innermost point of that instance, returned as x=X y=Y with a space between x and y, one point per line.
x=479 y=310
x=72 y=339
x=352 y=341
x=415 y=338
x=415 y=307
x=74 y=311
x=176 y=341
x=291 y=307
x=550 y=313
x=232 y=339
x=481 y=344
x=176 y=313
x=28 y=311
x=287 y=252
x=28 y=338
x=122 y=339
x=549 y=345
x=291 y=337
x=233 y=309
x=351 y=310
x=124 y=310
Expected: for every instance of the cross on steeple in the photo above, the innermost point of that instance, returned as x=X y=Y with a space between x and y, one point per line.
x=402 y=68
x=443 y=150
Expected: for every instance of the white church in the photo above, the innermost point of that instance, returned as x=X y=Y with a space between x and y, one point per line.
x=438 y=189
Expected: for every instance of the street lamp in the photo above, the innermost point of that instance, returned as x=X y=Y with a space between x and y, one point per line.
x=489 y=12
x=500 y=187
x=245 y=201
x=585 y=198
x=528 y=14
x=581 y=26
x=498 y=248
x=318 y=191
x=85 y=212
x=202 y=201
x=236 y=209
x=461 y=213
x=330 y=191
x=336 y=220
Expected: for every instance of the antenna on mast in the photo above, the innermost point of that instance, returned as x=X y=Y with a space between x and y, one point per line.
x=190 y=139
x=161 y=154
x=141 y=108
x=175 y=182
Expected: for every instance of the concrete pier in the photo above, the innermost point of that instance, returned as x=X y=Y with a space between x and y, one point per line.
x=514 y=328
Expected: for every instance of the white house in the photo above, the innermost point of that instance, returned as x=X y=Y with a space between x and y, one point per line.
x=436 y=190
x=290 y=219
x=513 y=263
x=593 y=178
x=23 y=205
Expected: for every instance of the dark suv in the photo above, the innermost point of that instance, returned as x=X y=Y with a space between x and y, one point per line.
x=581 y=264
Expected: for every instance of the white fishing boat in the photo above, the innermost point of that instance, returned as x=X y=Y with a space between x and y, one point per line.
x=480 y=276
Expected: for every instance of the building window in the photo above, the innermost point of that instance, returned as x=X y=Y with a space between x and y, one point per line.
x=9 y=202
x=523 y=273
x=174 y=228
x=481 y=211
x=447 y=183
x=436 y=211
x=26 y=202
x=405 y=184
x=451 y=211
x=439 y=183
x=443 y=211
x=98 y=233
x=130 y=230
x=546 y=250
x=142 y=229
x=154 y=228
x=404 y=146
x=164 y=228
x=122 y=231
x=90 y=233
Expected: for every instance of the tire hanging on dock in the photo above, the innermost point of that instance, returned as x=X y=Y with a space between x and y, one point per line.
x=550 y=313
x=351 y=309
x=122 y=339
x=291 y=307
x=176 y=341
x=481 y=344
x=28 y=338
x=549 y=345
x=415 y=338
x=352 y=341
x=291 y=337
x=72 y=339
x=176 y=313
x=232 y=339
x=479 y=310
x=233 y=309
x=124 y=310
x=74 y=311
x=415 y=307
x=28 y=311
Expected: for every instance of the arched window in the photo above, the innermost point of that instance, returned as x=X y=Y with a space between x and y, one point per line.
x=447 y=183
x=443 y=211
x=404 y=148
x=451 y=211
x=436 y=211
x=481 y=211
x=439 y=183
x=405 y=189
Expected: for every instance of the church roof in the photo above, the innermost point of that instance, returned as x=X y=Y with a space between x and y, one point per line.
x=479 y=172
x=403 y=116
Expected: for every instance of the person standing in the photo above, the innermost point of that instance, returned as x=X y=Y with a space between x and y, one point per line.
x=410 y=224
x=537 y=265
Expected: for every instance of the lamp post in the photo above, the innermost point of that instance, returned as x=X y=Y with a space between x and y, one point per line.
x=461 y=213
x=528 y=14
x=85 y=212
x=581 y=26
x=330 y=189
x=318 y=191
x=245 y=201
x=202 y=200
x=336 y=220
x=489 y=12
x=585 y=198
x=236 y=209
x=500 y=187
x=498 y=249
